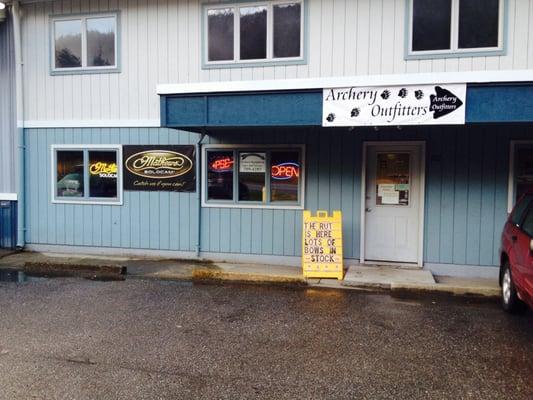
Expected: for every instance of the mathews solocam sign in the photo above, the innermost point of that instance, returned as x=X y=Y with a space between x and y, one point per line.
x=159 y=168
x=395 y=105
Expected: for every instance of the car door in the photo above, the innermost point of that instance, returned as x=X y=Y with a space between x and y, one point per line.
x=523 y=274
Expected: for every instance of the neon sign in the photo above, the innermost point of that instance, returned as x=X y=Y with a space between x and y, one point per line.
x=285 y=171
x=222 y=164
x=104 y=170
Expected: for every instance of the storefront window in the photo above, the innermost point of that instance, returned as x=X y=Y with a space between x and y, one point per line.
x=253 y=177
x=220 y=175
x=392 y=183
x=69 y=174
x=284 y=176
x=87 y=175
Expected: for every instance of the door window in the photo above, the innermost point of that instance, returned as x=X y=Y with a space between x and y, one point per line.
x=393 y=179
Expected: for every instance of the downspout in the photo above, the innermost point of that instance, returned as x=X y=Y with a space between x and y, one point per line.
x=19 y=93
x=199 y=193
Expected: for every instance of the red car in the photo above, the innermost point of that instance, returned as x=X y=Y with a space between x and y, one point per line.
x=516 y=255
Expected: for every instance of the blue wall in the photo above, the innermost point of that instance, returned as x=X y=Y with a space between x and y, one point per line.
x=466 y=194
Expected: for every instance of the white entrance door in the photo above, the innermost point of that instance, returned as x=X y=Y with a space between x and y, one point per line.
x=393 y=205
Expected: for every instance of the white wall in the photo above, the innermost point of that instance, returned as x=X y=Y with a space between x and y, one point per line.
x=160 y=43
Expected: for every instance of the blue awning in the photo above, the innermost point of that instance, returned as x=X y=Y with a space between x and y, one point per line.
x=485 y=103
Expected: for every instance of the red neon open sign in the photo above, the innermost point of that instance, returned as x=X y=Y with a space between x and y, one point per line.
x=222 y=164
x=285 y=171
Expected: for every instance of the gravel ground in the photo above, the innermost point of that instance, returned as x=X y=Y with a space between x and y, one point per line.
x=79 y=339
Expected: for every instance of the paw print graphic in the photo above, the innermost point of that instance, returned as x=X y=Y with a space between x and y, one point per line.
x=355 y=112
x=330 y=117
x=402 y=93
x=419 y=94
x=385 y=94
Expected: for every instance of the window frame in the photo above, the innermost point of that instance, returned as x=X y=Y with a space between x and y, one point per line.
x=511 y=182
x=455 y=51
x=84 y=69
x=86 y=148
x=268 y=149
x=269 y=60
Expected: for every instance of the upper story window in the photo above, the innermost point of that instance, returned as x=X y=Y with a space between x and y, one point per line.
x=253 y=32
x=86 y=43
x=455 y=27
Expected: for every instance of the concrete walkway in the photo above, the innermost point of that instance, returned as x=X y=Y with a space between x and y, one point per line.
x=398 y=280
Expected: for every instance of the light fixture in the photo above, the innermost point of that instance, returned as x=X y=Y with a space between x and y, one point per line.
x=3 y=15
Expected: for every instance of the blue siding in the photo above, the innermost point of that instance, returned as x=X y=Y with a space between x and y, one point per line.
x=466 y=194
x=8 y=224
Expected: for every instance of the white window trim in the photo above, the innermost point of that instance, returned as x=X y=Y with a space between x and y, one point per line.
x=511 y=179
x=235 y=203
x=236 y=33
x=454 y=36
x=118 y=201
x=84 y=67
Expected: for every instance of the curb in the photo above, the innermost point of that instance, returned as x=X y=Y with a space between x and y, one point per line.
x=459 y=291
x=207 y=275
x=91 y=271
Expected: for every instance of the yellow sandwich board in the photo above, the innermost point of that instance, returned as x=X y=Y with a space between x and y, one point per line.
x=322 y=245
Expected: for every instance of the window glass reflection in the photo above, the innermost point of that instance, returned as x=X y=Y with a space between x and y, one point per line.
x=253 y=30
x=69 y=173
x=252 y=169
x=101 y=42
x=220 y=175
x=284 y=176
x=220 y=34
x=67 y=44
x=287 y=30
x=103 y=174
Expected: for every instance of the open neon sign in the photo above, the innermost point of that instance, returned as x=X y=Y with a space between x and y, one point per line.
x=222 y=164
x=285 y=171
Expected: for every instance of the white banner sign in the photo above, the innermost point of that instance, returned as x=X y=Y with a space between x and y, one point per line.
x=394 y=105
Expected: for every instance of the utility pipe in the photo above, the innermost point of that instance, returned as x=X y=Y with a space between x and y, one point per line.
x=199 y=193
x=19 y=98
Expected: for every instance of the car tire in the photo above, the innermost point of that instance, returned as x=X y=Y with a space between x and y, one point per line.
x=510 y=301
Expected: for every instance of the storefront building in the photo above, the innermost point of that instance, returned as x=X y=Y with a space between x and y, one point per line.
x=234 y=94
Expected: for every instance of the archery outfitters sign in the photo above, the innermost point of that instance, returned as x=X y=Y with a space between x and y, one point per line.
x=394 y=105
x=322 y=245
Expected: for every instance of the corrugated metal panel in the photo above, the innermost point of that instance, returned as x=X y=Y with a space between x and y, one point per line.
x=7 y=109
x=161 y=43
x=8 y=224
x=466 y=194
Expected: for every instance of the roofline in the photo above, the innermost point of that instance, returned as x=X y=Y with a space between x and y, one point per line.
x=513 y=76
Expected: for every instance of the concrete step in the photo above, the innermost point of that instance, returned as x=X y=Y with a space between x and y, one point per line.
x=384 y=277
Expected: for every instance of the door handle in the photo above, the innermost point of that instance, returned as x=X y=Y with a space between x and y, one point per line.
x=368 y=209
x=514 y=239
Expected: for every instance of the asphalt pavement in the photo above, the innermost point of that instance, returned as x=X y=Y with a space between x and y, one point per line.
x=70 y=338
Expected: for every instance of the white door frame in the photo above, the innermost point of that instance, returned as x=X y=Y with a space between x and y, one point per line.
x=422 y=177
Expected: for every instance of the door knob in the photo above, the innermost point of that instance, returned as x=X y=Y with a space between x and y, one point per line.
x=368 y=209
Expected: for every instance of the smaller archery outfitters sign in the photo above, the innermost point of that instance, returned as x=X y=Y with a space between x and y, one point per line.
x=394 y=105
x=159 y=168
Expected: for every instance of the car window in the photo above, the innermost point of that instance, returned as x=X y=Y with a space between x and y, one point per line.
x=520 y=208
x=527 y=225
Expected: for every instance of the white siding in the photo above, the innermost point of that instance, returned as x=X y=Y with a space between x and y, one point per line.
x=160 y=42
x=7 y=110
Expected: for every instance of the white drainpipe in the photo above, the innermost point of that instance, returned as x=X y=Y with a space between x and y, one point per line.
x=19 y=90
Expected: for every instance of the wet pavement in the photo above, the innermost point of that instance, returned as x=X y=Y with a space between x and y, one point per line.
x=69 y=338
